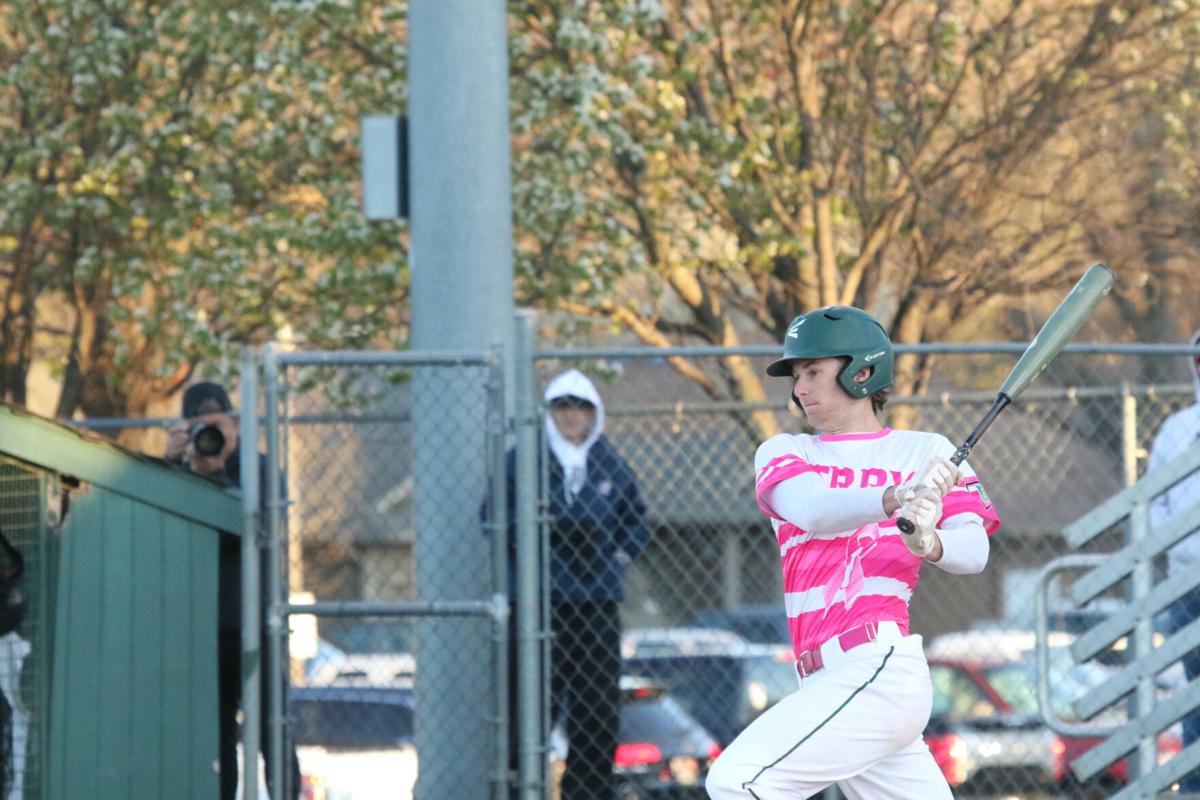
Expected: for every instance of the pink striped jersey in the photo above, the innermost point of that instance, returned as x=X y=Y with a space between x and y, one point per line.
x=834 y=581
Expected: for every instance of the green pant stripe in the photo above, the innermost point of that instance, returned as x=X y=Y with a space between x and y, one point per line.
x=824 y=722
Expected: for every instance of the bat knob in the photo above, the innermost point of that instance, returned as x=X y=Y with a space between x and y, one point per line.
x=905 y=524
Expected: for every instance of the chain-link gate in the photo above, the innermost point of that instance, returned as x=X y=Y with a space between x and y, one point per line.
x=376 y=480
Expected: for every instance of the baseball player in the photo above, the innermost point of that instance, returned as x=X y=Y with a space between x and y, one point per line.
x=848 y=573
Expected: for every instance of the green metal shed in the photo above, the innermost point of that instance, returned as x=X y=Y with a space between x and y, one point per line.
x=119 y=678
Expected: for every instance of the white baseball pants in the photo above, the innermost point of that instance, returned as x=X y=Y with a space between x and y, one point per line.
x=857 y=723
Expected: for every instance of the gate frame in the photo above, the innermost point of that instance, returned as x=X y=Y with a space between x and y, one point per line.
x=270 y=537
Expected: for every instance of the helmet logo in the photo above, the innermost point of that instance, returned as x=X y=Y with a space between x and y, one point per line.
x=794 y=330
x=873 y=356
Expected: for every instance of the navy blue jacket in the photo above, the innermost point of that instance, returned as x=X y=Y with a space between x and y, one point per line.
x=593 y=537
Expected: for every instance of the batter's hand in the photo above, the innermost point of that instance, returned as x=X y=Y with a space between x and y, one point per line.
x=939 y=474
x=923 y=511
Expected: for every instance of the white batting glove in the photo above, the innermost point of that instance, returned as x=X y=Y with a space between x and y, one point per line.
x=942 y=475
x=923 y=511
x=939 y=474
x=907 y=491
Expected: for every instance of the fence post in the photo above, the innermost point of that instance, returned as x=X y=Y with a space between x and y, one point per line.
x=530 y=697
x=275 y=535
x=1129 y=441
x=251 y=644
x=499 y=377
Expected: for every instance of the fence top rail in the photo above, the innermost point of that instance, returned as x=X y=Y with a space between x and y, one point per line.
x=680 y=408
x=1068 y=393
x=408 y=358
x=949 y=348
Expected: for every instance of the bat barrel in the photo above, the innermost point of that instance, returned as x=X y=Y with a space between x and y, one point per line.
x=1062 y=325
x=1057 y=331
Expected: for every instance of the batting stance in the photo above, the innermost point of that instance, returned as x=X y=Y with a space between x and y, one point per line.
x=848 y=573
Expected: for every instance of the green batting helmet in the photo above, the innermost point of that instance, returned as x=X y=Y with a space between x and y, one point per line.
x=836 y=331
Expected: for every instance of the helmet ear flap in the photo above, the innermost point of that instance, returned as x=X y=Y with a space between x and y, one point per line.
x=849 y=384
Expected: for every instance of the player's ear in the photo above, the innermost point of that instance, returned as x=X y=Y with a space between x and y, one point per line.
x=863 y=374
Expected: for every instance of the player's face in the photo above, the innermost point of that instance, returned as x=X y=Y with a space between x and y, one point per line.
x=816 y=389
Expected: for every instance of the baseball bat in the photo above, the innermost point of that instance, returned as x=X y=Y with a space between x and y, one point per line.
x=1054 y=334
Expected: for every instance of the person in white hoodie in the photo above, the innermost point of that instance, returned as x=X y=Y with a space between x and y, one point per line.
x=597 y=529
x=1178 y=432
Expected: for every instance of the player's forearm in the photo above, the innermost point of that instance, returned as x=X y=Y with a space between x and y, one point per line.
x=891 y=504
x=807 y=502
x=964 y=549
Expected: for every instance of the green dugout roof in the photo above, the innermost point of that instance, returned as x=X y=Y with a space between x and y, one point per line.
x=90 y=458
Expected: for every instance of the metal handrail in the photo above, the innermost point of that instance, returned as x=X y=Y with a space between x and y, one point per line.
x=1042 y=648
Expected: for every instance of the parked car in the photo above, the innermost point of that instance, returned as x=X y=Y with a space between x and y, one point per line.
x=371 y=652
x=763 y=623
x=335 y=667
x=663 y=753
x=719 y=678
x=986 y=730
x=1070 y=681
x=354 y=742
x=373 y=635
x=689 y=641
x=980 y=740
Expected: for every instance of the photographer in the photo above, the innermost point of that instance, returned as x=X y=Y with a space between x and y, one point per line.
x=207 y=443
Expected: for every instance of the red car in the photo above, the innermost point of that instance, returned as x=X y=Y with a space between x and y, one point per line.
x=979 y=738
x=985 y=728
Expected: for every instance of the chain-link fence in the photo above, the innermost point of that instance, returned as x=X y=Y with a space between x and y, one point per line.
x=25 y=644
x=385 y=465
x=402 y=646
x=667 y=642
x=702 y=614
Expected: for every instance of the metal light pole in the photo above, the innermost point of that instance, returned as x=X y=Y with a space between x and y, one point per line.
x=461 y=264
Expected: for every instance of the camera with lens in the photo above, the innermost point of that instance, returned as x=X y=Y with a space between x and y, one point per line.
x=206 y=438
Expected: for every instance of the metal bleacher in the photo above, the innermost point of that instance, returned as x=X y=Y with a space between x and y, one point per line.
x=1128 y=572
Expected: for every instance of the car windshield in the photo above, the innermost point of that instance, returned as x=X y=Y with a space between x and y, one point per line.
x=654 y=720
x=723 y=693
x=768 y=680
x=351 y=723
x=956 y=697
x=767 y=625
x=1016 y=682
x=371 y=636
